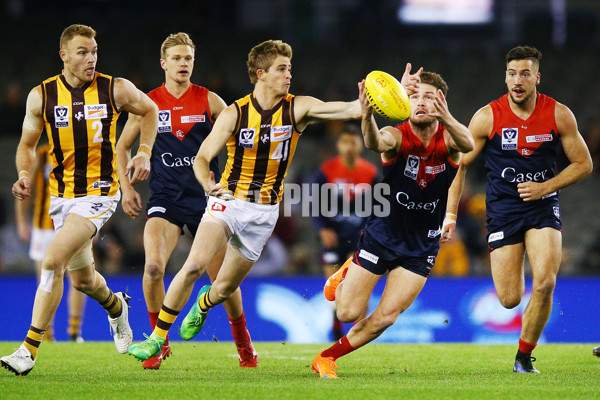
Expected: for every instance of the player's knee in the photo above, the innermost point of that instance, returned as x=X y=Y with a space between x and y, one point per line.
x=84 y=284
x=348 y=313
x=224 y=290
x=509 y=300
x=154 y=271
x=193 y=270
x=52 y=264
x=544 y=287
x=381 y=322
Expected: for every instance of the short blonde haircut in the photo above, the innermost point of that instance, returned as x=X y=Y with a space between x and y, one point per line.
x=176 y=39
x=75 y=30
x=262 y=56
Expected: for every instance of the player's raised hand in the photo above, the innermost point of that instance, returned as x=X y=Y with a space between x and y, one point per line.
x=131 y=202
x=365 y=105
x=218 y=191
x=409 y=81
x=442 y=112
x=22 y=188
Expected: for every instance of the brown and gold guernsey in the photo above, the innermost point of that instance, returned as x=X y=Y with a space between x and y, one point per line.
x=260 y=150
x=81 y=126
x=41 y=203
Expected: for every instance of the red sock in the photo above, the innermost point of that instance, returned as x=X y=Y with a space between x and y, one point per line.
x=526 y=348
x=240 y=333
x=337 y=324
x=153 y=318
x=339 y=349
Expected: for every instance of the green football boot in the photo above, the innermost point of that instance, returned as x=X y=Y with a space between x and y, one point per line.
x=148 y=348
x=194 y=321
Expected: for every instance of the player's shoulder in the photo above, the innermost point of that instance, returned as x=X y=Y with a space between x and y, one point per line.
x=482 y=122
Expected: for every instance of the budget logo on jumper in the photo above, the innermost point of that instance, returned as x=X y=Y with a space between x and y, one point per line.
x=412 y=167
x=510 y=138
x=95 y=111
x=164 y=121
x=247 y=138
x=279 y=133
x=61 y=116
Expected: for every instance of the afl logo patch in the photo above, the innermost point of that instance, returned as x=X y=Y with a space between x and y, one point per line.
x=61 y=116
x=411 y=169
x=510 y=138
x=247 y=138
x=164 y=121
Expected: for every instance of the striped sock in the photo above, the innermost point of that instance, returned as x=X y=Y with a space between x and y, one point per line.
x=33 y=340
x=204 y=303
x=74 y=327
x=112 y=305
x=153 y=319
x=166 y=317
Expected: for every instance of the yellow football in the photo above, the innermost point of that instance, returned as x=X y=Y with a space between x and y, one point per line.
x=387 y=96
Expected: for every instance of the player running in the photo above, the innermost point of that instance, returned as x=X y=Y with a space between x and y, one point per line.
x=79 y=109
x=261 y=132
x=420 y=158
x=186 y=116
x=519 y=135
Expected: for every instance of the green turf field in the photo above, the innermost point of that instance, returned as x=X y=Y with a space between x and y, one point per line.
x=210 y=371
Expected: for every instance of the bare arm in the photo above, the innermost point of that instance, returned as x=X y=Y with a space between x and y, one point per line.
x=212 y=145
x=480 y=127
x=460 y=138
x=132 y=100
x=131 y=201
x=309 y=109
x=216 y=104
x=380 y=141
x=33 y=125
x=575 y=150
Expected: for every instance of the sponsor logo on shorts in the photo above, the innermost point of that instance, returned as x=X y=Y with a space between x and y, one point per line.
x=435 y=169
x=432 y=234
x=247 y=138
x=61 y=116
x=510 y=138
x=218 y=207
x=368 y=256
x=95 y=111
x=556 y=211
x=539 y=138
x=153 y=210
x=496 y=236
x=164 y=121
x=412 y=167
x=192 y=119
x=279 y=133
x=431 y=260
x=100 y=184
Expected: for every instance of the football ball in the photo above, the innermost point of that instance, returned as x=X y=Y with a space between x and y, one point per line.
x=387 y=96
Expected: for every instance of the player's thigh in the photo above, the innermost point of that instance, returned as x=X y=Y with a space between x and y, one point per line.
x=214 y=265
x=401 y=289
x=75 y=233
x=357 y=288
x=210 y=238
x=233 y=270
x=507 y=271
x=544 y=250
x=160 y=238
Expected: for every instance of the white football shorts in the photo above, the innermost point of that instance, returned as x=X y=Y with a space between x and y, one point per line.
x=250 y=224
x=39 y=242
x=96 y=209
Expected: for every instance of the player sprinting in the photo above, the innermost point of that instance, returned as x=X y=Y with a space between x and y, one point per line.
x=40 y=232
x=420 y=158
x=519 y=135
x=79 y=110
x=261 y=132
x=186 y=116
x=350 y=173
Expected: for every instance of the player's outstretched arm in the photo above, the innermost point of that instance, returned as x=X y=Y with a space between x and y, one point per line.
x=33 y=124
x=376 y=140
x=309 y=109
x=575 y=150
x=132 y=100
x=131 y=201
x=460 y=138
x=224 y=127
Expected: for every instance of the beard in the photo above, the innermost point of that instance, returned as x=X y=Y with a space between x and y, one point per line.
x=422 y=124
x=522 y=100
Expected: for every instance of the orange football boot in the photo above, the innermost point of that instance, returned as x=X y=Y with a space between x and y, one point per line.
x=335 y=279
x=324 y=366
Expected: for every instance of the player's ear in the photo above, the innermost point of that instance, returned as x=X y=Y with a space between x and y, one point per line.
x=538 y=78
x=62 y=53
x=163 y=64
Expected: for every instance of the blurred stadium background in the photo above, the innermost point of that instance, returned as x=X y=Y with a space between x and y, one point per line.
x=336 y=43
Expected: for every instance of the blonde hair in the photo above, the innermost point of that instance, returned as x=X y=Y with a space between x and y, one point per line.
x=75 y=30
x=262 y=56
x=176 y=39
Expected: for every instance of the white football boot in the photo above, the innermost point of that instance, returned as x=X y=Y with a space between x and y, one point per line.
x=20 y=362
x=120 y=326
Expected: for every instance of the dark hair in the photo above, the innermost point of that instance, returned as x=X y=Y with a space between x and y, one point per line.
x=433 y=79
x=524 y=53
x=349 y=129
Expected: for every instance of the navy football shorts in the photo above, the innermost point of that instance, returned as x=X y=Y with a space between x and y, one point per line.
x=377 y=259
x=511 y=230
x=339 y=254
x=163 y=209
